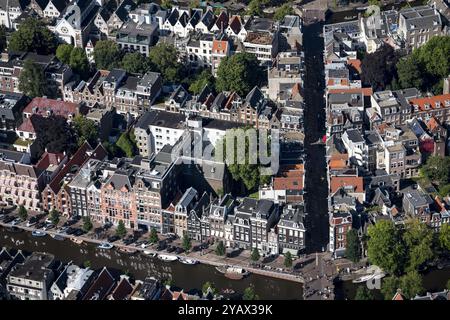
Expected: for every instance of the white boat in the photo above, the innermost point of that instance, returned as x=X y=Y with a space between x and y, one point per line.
x=364 y=278
x=188 y=261
x=167 y=258
x=233 y=273
x=38 y=233
x=150 y=254
x=105 y=245
x=380 y=275
x=76 y=240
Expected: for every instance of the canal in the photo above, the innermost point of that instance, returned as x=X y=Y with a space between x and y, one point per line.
x=139 y=266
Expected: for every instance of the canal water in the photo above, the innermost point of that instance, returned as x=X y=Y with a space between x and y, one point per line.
x=139 y=266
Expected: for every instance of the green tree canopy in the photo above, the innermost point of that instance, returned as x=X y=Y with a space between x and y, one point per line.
x=385 y=247
x=389 y=287
x=127 y=144
x=426 y=66
x=87 y=224
x=411 y=284
x=444 y=237
x=79 y=62
x=436 y=169
x=3 y=42
x=255 y=256
x=249 y=294
x=33 y=35
x=121 y=231
x=186 y=243
x=153 y=238
x=353 y=248
x=418 y=238
x=220 y=249
x=209 y=285
x=86 y=130
x=23 y=213
x=135 y=62
x=203 y=79
x=362 y=293
x=32 y=81
x=54 y=216
x=288 y=260
x=107 y=55
x=240 y=72
x=63 y=52
x=285 y=10
x=247 y=171
x=378 y=68
x=164 y=57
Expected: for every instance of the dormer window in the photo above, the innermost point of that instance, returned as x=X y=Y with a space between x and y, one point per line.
x=416 y=108
x=437 y=104
x=447 y=103
x=427 y=106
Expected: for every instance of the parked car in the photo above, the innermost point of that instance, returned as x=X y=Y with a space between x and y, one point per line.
x=40 y=225
x=107 y=225
x=179 y=250
x=8 y=219
x=48 y=226
x=128 y=240
x=170 y=249
x=78 y=232
x=113 y=238
x=32 y=221
x=70 y=230
x=16 y=221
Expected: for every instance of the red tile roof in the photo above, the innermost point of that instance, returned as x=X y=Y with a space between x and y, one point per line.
x=290 y=178
x=219 y=46
x=355 y=63
x=27 y=126
x=336 y=182
x=57 y=107
x=443 y=101
x=48 y=159
x=364 y=91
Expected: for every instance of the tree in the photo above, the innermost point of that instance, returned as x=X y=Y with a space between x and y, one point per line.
x=378 y=68
x=288 y=260
x=79 y=62
x=362 y=293
x=209 y=285
x=153 y=238
x=135 y=62
x=437 y=169
x=255 y=256
x=87 y=264
x=444 y=237
x=187 y=243
x=353 y=247
x=247 y=171
x=203 y=79
x=32 y=80
x=249 y=294
x=52 y=133
x=385 y=247
x=86 y=130
x=255 y=8
x=33 y=36
x=389 y=287
x=126 y=144
x=87 y=224
x=220 y=249
x=164 y=57
x=63 y=52
x=166 y=4
x=411 y=284
x=240 y=72
x=121 y=231
x=426 y=66
x=418 y=238
x=54 y=216
x=23 y=213
x=285 y=10
x=107 y=55
x=3 y=42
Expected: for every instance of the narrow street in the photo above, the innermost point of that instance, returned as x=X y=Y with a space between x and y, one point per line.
x=316 y=182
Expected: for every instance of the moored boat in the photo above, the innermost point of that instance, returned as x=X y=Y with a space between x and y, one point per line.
x=38 y=233
x=127 y=250
x=364 y=278
x=150 y=254
x=76 y=240
x=188 y=261
x=233 y=273
x=57 y=237
x=105 y=245
x=167 y=258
